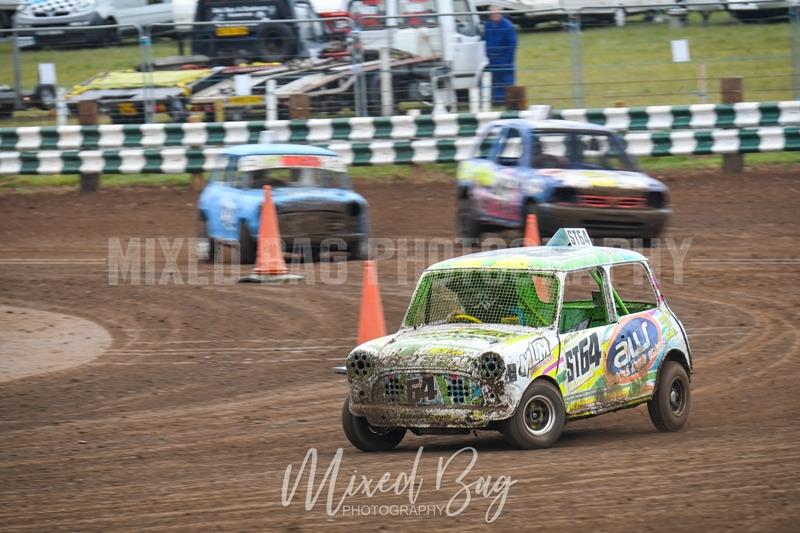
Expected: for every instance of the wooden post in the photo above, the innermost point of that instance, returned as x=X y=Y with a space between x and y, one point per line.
x=219 y=110
x=515 y=98
x=732 y=91
x=87 y=116
x=198 y=181
x=299 y=106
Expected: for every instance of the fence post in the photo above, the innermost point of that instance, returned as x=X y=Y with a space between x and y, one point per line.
x=17 y=71
x=474 y=100
x=515 y=98
x=360 y=85
x=387 y=98
x=576 y=61
x=486 y=91
x=87 y=116
x=62 y=112
x=794 y=43
x=299 y=106
x=731 y=91
x=219 y=110
x=198 y=181
x=145 y=55
x=271 y=100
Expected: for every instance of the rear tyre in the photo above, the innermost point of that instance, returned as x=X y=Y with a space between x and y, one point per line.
x=469 y=227
x=205 y=244
x=109 y=36
x=669 y=407
x=539 y=418
x=247 y=246
x=368 y=438
x=276 y=42
x=45 y=96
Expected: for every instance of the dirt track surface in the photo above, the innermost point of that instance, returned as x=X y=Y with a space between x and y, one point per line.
x=36 y=342
x=209 y=391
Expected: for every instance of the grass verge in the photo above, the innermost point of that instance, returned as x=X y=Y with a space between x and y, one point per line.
x=381 y=173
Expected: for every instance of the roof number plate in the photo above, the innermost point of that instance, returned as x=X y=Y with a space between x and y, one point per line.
x=578 y=237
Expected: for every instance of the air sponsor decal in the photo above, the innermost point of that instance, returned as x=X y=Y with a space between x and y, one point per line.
x=633 y=346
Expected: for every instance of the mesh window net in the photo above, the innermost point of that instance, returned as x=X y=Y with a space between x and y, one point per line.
x=465 y=296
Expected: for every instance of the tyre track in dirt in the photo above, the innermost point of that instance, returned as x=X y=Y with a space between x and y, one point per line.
x=189 y=420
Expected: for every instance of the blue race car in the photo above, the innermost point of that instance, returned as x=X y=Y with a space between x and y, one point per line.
x=569 y=174
x=316 y=208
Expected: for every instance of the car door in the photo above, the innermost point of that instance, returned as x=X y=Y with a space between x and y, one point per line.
x=510 y=163
x=585 y=324
x=144 y=12
x=221 y=203
x=465 y=51
x=643 y=327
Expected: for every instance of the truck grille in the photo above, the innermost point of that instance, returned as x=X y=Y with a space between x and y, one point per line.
x=313 y=223
x=612 y=202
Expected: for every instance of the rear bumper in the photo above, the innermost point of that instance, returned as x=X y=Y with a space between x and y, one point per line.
x=40 y=28
x=331 y=241
x=625 y=223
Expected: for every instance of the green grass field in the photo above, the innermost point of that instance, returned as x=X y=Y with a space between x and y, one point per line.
x=633 y=66
x=621 y=66
x=428 y=172
x=630 y=65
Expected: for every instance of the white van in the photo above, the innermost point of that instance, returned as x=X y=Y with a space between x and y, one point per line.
x=759 y=11
x=591 y=11
x=42 y=16
x=7 y=9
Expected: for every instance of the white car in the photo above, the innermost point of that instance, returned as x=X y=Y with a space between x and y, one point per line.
x=759 y=11
x=43 y=17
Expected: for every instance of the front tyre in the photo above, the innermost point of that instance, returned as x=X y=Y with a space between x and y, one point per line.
x=358 y=250
x=247 y=245
x=368 y=438
x=539 y=418
x=669 y=406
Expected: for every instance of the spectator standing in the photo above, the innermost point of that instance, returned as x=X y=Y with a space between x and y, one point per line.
x=501 y=49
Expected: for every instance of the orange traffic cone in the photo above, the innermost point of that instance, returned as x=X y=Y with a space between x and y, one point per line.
x=371 y=323
x=531 y=232
x=270 y=265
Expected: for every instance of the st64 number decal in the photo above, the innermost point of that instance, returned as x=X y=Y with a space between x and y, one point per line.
x=583 y=357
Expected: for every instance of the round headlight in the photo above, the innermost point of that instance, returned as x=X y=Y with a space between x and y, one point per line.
x=491 y=366
x=360 y=364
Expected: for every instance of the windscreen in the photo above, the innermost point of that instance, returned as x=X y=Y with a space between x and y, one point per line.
x=580 y=150
x=256 y=171
x=485 y=296
x=292 y=177
x=241 y=10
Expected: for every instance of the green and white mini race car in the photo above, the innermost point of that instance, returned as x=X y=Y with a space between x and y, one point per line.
x=521 y=340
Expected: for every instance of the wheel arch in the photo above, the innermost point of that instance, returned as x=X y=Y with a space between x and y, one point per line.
x=552 y=381
x=679 y=357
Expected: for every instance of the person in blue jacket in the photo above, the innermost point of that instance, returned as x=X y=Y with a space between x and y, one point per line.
x=501 y=49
